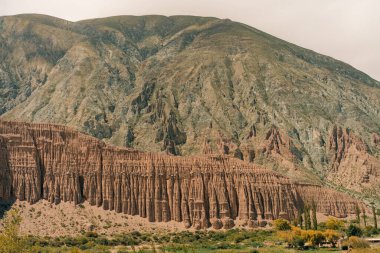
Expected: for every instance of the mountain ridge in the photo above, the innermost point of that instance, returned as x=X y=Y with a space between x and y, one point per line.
x=192 y=85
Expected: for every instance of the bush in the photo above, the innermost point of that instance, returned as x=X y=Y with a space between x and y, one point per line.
x=10 y=241
x=334 y=224
x=357 y=243
x=370 y=231
x=354 y=230
x=281 y=225
x=91 y=234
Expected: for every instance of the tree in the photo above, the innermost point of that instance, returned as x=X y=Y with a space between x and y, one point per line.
x=374 y=216
x=364 y=216
x=295 y=222
x=314 y=214
x=357 y=210
x=332 y=237
x=314 y=237
x=10 y=241
x=334 y=224
x=307 y=218
x=300 y=219
x=294 y=237
x=353 y=230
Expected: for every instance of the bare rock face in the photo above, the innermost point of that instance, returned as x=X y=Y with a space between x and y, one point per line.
x=5 y=174
x=42 y=161
x=352 y=164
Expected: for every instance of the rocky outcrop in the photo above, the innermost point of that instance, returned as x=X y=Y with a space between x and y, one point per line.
x=352 y=165
x=42 y=161
x=5 y=174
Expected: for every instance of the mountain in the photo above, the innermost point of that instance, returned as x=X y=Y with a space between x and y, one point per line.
x=58 y=164
x=194 y=85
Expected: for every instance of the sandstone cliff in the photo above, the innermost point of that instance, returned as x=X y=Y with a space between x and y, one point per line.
x=180 y=83
x=56 y=163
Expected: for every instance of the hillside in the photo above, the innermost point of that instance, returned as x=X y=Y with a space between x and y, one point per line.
x=193 y=85
x=57 y=164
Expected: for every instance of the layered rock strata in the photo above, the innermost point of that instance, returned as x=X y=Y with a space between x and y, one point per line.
x=44 y=161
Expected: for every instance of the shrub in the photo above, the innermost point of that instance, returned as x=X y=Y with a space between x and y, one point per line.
x=322 y=225
x=334 y=224
x=10 y=241
x=370 y=231
x=91 y=234
x=282 y=225
x=357 y=243
x=354 y=230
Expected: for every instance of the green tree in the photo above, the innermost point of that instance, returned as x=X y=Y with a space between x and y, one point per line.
x=357 y=210
x=10 y=241
x=300 y=219
x=374 y=216
x=314 y=215
x=307 y=218
x=353 y=230
x=364 y=216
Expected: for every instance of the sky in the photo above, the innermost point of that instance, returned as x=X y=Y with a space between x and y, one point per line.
x=348 y=30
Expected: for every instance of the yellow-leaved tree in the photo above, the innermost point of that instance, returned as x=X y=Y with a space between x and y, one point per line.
x=10 y=240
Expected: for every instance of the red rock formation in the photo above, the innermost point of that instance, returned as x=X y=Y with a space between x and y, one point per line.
x=41 y=161
x=352 y=164
x=5 y=175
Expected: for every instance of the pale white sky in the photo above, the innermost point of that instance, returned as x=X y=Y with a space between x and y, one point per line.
x=348 y=30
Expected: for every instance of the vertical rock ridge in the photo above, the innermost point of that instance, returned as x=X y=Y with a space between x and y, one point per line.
x=200 y=191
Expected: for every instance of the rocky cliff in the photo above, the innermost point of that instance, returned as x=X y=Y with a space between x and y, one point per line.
x=192 y=86
x=56 y=163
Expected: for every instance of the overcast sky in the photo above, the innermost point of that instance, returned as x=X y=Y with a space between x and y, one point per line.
x=348 y=30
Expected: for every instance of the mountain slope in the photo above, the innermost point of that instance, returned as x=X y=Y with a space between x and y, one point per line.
x=192 y=85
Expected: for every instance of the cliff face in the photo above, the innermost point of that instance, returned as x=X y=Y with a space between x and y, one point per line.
x=42 y=161
x=353 y=165
x=181 y=83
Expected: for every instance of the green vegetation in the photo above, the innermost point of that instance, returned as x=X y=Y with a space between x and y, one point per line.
x=234 y=240
x=374 y=216
x=334 y=224
x=314 y=215
x=354 y=230
x=282 y=225
x=10 y=241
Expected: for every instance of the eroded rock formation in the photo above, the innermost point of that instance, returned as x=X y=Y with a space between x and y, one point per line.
x=43 y=161
x=352 y=165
